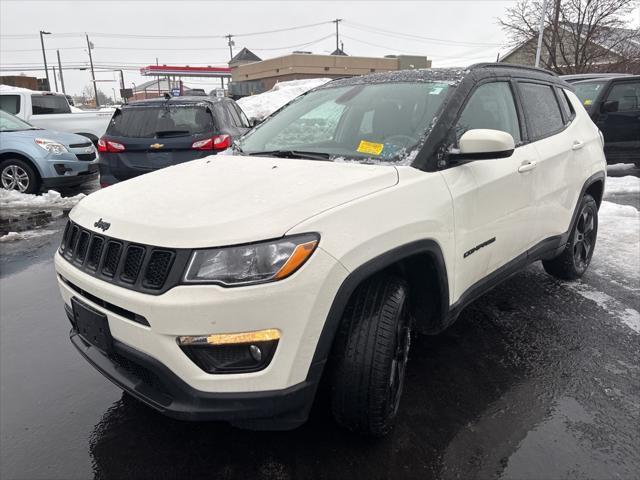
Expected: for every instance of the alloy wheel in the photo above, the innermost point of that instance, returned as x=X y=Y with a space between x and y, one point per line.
x=399 y=361
x=584 y=238
x=14 y=177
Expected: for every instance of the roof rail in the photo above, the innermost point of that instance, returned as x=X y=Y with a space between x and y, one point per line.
x=512 y=65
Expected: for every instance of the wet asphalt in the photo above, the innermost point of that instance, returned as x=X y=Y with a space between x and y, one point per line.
x=535 y=380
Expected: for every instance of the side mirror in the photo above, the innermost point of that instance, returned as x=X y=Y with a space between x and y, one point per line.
x=483 y=144
x=609 y=107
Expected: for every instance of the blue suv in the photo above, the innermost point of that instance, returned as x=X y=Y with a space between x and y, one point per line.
x=32 y=158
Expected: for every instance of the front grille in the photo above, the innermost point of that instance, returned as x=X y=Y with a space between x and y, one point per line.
x=144 y=268
x=80 y=145
x=86 y=157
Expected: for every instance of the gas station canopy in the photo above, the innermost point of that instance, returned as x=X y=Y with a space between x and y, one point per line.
x=185 y=71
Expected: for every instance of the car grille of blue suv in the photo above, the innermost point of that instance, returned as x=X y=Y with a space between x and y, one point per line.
x=130 y=265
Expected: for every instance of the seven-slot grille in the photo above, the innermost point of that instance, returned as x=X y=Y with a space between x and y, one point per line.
x=131 y=265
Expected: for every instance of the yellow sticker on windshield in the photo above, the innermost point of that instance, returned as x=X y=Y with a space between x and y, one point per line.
x=588 y=102
x=370 y=147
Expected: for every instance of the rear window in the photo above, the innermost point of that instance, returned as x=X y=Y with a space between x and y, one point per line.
x=46 y=104
x=161 y=121
x=541 y=109
x=10 y=103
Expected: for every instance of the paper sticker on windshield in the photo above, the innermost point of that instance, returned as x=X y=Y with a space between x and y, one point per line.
x=370 y=147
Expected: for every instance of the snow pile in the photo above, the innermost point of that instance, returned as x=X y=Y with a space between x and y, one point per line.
x=620 y=167
x=618 y=185
x=617 y=253
x=49 y=200
x=264 y=104
x=26 y=235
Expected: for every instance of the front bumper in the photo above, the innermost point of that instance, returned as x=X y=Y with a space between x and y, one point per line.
x=154 y=384
x=297 y=306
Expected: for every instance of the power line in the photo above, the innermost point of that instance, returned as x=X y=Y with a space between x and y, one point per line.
x=408 y=36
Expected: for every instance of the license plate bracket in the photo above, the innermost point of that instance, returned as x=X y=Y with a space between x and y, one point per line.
x=92 y=326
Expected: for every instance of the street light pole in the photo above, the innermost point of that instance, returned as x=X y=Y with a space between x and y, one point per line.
x=60 y=70
x=541 y=32
x=44 y=57
x=93 y=75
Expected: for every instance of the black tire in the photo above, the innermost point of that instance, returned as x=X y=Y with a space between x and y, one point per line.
x=370 y=355
x=576 y=257
x=15 y=167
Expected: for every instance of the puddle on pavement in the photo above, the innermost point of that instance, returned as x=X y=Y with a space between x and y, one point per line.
x=15 y=220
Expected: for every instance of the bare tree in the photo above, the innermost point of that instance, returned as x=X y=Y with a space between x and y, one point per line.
x=579 y=35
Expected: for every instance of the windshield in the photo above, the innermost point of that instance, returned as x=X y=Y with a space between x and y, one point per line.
x=588 y=91
x=161 y=121
x=384 y=121
x=9 y=123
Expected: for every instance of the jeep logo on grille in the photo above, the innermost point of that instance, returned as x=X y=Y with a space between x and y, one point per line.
x=104 y=226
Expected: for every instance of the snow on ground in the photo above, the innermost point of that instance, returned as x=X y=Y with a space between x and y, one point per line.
x=618 y=185
x=48 y=200
x=26 y=235
x=264 y=104
x=617 y=253
x=620 y=167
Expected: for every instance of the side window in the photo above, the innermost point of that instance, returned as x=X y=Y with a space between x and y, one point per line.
x=490 y=106
x=10 y=103
x=223 y=119
x=541 y=109
x=567 y=109
x=244 y=121
x=235 y=118
x=627 y=95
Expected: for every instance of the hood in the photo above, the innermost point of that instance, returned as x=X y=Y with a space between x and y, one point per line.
x=61 y=137
x=226 y=200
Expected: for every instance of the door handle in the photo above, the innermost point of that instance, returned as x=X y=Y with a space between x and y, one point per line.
x=527 y=166
x=577 y=145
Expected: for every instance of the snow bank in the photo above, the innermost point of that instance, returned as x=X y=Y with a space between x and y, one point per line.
x=617 y=253
x=620 y=167
x=48 y=200
x=617 y=185
x=26 y=235
x=264 y=104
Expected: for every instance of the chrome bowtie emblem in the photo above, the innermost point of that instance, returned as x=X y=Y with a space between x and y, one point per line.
x=104 y=226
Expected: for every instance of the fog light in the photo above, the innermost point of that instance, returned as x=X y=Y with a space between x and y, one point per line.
x=61 y=168
x=233 y=352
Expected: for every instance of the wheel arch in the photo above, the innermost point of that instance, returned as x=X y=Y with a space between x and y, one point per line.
x=421 y=264
x=21 y=156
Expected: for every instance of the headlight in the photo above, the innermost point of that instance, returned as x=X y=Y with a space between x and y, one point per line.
x=51 y=146
x=249 y=264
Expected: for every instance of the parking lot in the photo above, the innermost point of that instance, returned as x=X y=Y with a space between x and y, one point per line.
x=539 y=378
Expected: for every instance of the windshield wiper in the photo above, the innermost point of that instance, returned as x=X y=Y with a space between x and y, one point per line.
x=172 y=133
x=291 y=154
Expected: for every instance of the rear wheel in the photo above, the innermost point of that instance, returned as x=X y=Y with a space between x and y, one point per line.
x=370 y=356
x=576 y=257
x=16 y=174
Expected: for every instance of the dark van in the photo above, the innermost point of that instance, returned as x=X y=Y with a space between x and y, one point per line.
x=147 y=135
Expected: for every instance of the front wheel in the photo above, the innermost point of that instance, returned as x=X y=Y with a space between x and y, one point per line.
x=16 y=174
x=370 y=356
x=576 y=257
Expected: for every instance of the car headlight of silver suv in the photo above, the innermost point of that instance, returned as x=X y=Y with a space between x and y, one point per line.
x=51 y=146
x=253 y=263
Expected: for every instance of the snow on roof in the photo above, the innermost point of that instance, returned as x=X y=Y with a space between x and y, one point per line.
x=10 y=88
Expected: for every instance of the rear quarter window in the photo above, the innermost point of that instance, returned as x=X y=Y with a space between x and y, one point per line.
x=541 y=110
x=10 y=103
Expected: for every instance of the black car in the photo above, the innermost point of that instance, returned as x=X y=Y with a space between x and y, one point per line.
x=614 y=106
x=147 y=135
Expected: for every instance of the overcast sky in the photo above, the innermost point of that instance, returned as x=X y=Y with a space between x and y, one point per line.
x=459 y=32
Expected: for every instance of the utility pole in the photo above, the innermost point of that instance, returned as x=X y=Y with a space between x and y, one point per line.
x=60 y=70
x=554 y=33
x=55 y=80
x=231 y=43
x=93 y=75
x=337 y=22
x=159 y=94
x=44 y=57
x=541 y=32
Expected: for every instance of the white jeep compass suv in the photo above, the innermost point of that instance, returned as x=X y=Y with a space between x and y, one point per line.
x=368 y=208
